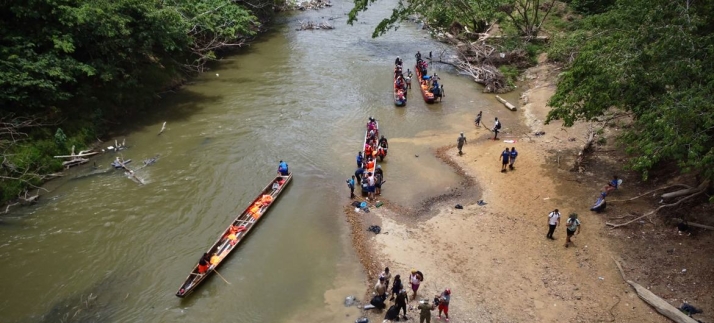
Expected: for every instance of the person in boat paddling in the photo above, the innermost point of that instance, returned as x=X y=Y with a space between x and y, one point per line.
x=283 y=168
x=202 y=266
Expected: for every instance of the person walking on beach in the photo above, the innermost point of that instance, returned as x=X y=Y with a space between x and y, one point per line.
x=505 y=155
x=572 y=227
x=351 y=185
x=496 y=128
x=415 y=279
x=514 y=154
x=460 y=142
x=396 y=287
x=425 y=309
x=553 y=221
x=444 y=300
x=478 y=119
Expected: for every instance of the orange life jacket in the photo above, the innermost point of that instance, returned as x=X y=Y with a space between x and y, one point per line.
x=370 y=164
x=202 y=269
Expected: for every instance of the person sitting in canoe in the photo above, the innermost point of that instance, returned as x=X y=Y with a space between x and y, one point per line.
x=383 y=142
x=215 y=259
x=266 y=199
x=235 y=229
x=398 y=61
x=370 y=163
x=400 y=95
x=399 y=83
x=367 y=150
x=202 y=266
x=283 y=168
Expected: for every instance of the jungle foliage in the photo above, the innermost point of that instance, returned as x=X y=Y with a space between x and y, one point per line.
x=71 y=66
x=651 y=60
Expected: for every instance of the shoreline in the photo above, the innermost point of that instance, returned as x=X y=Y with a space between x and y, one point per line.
x=495 y=258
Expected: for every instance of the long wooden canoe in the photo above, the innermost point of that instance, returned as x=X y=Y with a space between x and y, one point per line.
x=424 y=86
x=246 y=221
x=397 y=101
x=373 y=168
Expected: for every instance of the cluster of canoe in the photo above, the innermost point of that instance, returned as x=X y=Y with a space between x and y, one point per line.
x=234 y=234
x=428 y=85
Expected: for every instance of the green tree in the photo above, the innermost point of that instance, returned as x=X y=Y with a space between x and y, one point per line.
x=651 y=59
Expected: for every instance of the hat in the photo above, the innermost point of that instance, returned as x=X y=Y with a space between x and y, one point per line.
x=462 y=133
x=414 y=271
x=381 y=278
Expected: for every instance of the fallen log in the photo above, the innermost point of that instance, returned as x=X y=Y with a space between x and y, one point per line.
x=74 y=162
x=696 y=225
x=650 y=192
x=577 y=166
x=506 y=103
x=129 y=172
x=163 y=127
x=687 y=191
x=655 y=301
x=615 y=225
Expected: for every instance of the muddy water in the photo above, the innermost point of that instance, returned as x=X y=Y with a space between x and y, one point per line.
x=102 y=248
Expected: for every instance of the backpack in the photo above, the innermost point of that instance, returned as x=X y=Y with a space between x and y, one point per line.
x=498 y=125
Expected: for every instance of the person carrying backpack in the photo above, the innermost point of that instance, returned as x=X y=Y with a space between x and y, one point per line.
x=496 y=128
x=351 y=186
x=572 y=227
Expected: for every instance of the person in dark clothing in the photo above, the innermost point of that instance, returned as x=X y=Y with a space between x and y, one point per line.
x=398 y=61
x=505 y=155
x=514 y=154
x=460 y=141
x=283 y=169
x=418 y=56
x=359 y=173
x=478 y=119
x=396 y=287
x=359 y=159
x=401 y=301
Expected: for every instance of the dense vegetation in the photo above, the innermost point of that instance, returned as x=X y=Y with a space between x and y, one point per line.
x=69 y=67
x=649 y=60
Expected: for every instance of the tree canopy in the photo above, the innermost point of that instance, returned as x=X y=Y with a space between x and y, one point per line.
x=652 y=60
x=76 y=64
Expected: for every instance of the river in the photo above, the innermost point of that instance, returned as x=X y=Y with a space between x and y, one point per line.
x=103 y=249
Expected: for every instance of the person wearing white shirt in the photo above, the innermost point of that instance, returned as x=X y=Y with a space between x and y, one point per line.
x=553 y=221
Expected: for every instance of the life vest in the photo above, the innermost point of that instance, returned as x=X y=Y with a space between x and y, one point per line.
x=215 y=260
x=266 y=199
x=370 y=164
x=367 y=150
x=255 y=210
x=202 y=269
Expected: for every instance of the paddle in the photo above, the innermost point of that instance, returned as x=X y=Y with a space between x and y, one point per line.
x=219 y=275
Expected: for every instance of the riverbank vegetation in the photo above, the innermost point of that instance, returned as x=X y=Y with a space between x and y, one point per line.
x=71 y=69
x=640 y=65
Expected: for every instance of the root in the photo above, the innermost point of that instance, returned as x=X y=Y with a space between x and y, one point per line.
x=650 y=192
x=615 y=225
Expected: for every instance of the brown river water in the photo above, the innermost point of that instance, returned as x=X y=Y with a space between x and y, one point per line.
x=103 y=249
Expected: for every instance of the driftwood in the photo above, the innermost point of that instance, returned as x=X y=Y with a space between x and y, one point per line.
x=655 y=301
x=650 y=192
x=163 y=127
x=696 y=225
x=129 y=172
x=506 y=103
x=305 y=5
x=615 y=225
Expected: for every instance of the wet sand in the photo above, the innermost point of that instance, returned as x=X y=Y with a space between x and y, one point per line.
x=495 y=257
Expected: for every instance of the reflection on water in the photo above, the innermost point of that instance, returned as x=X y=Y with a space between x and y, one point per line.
x=298 y=96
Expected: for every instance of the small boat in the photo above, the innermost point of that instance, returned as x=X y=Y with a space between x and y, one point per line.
x=245 y=222
x=400 y=93
x=424 y=86
x=364 y=153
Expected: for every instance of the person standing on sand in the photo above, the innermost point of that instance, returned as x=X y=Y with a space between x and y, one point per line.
x=387 y=276
x=444 y=300
x=351 y=185
x=415 y=281
x=359 y=174
x=478 y=119
x=425 y=311
x=402 y=300
x=514 y=154
x=460 y=142
x=504 y=157
x=370 y=186
x=396 y=287
x=380 y=289
x=496 y=128
x=572 y=227
x=553 y=221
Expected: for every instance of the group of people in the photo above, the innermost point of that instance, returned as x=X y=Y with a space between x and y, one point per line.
x=399 y=295
x=369 y=175
x=572 y=226
x=600 y=203
x=401 y=82
x=496 y=124
x=508 y=158
x=431 y=82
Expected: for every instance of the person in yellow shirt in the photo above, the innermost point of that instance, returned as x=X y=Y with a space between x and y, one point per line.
x=215 y=259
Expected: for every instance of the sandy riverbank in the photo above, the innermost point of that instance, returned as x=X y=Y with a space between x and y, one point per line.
x=495 y=258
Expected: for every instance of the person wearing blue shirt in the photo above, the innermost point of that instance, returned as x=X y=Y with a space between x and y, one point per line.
x=283 y=168
x=514 y=154
x=505 y=155
x=359 y=159
x=351 y=185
